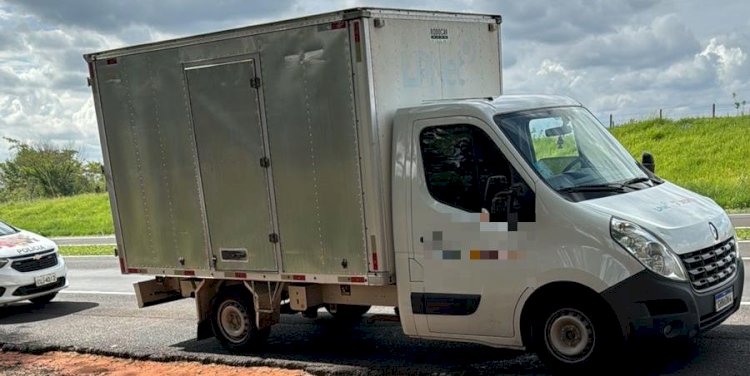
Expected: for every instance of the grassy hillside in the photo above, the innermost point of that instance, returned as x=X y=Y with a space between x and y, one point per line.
x=709 y=156
x=87 y=214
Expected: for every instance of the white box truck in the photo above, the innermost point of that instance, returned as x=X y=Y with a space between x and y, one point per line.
x=367 y=157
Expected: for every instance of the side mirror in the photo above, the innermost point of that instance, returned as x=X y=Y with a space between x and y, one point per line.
x=647 y=160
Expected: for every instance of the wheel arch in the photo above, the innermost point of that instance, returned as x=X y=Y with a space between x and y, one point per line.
x=554 y=290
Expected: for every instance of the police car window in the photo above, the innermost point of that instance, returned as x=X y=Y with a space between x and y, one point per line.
x=6 y=230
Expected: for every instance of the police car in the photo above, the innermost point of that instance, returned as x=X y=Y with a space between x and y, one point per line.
x=30 y=267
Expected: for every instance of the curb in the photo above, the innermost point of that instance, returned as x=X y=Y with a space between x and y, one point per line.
x=244 y=361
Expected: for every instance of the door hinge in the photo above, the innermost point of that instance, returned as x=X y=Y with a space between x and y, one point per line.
x=255 y=82
x=273 y=238
x=265 y=162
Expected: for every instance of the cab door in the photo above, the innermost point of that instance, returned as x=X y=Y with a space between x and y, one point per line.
x=470 y=210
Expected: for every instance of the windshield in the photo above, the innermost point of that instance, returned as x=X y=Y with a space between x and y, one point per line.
x=6 y=230
x=570 y=149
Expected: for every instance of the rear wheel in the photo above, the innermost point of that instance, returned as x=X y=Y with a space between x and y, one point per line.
x=44 y=299
x=347 y=312
x=574 y=336
x=233 y=321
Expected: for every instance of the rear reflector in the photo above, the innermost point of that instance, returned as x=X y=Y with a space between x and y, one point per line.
x=356 y=32
x=240 y=275
x=122 y=266
x=358 y=279
x=188 y=272
x=338 y=25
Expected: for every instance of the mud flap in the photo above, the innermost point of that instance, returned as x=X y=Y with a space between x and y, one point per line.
x=204 y=329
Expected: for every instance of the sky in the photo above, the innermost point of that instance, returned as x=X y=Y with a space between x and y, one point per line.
x=628 y=58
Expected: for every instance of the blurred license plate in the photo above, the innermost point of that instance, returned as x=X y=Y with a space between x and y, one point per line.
x=724 y=299
x=45 y=279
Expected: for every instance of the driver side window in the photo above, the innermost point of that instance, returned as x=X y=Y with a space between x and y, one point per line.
x=465 y=169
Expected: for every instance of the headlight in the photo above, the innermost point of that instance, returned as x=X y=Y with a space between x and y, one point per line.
x=650 y=251
x=3 y=262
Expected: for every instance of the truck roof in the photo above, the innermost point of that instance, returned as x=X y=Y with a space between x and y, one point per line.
x=512 y=103
x=285 y=24
x=500 y=105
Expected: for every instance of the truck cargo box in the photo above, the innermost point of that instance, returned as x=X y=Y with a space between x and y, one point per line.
x=264 y=152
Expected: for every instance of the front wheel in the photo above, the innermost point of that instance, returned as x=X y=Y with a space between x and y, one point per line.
x=574 y=336
x=233 y=322
x=44 y=299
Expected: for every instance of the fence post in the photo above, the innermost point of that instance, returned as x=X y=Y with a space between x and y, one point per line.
x=713 y=110
x=611 y=122
x=660 y=114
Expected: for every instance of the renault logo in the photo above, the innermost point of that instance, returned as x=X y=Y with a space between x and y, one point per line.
x=714 y=231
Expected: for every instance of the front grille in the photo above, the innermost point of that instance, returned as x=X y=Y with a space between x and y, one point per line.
x=711 y=266
x=30 y=265
x=34 y=289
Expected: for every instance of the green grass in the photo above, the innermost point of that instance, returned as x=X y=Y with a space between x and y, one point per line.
x=708 y=156
x=87 y=214
x=87 y=250
x=743 y=233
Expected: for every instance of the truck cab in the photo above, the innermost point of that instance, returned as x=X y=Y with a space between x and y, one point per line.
x=520 y=221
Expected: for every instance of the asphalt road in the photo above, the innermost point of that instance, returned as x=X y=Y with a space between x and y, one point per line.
x=99 y=313
x=85 y=240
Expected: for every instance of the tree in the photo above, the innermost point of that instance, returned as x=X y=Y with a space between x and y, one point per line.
x=45 y=170
x=737 y=103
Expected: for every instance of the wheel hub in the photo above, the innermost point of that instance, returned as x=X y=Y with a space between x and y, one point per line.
x=233 y=321
x=569 y=335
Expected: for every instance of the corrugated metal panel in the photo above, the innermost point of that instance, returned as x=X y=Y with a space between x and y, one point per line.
x=313 y=138
x=152 y=161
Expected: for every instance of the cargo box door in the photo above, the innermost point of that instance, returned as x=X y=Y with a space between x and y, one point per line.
x=225 y=107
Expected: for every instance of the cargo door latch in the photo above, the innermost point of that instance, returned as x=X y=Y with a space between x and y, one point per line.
x=255 y=82
x=273 y=238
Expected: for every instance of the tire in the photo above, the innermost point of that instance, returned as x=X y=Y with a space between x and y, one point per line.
x=44 y=299
x=233 y=322
x=346 y=312
x=575 y=336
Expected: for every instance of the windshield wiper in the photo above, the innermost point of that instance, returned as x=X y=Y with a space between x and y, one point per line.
x=594 y=188
x=641 y=179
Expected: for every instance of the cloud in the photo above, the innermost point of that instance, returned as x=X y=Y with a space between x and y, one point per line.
x=175 y=16
x=663 y=41
x=728 y=59
x=621 y=57
x=559 y=22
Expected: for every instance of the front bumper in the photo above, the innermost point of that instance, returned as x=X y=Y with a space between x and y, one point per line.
x=17 y=286
x=649 y=305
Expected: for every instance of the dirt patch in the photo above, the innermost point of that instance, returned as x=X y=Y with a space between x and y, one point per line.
x=67 y=363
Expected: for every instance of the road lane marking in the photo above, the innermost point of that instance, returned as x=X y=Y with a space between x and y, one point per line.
x=96 y=292
x=132 y=293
